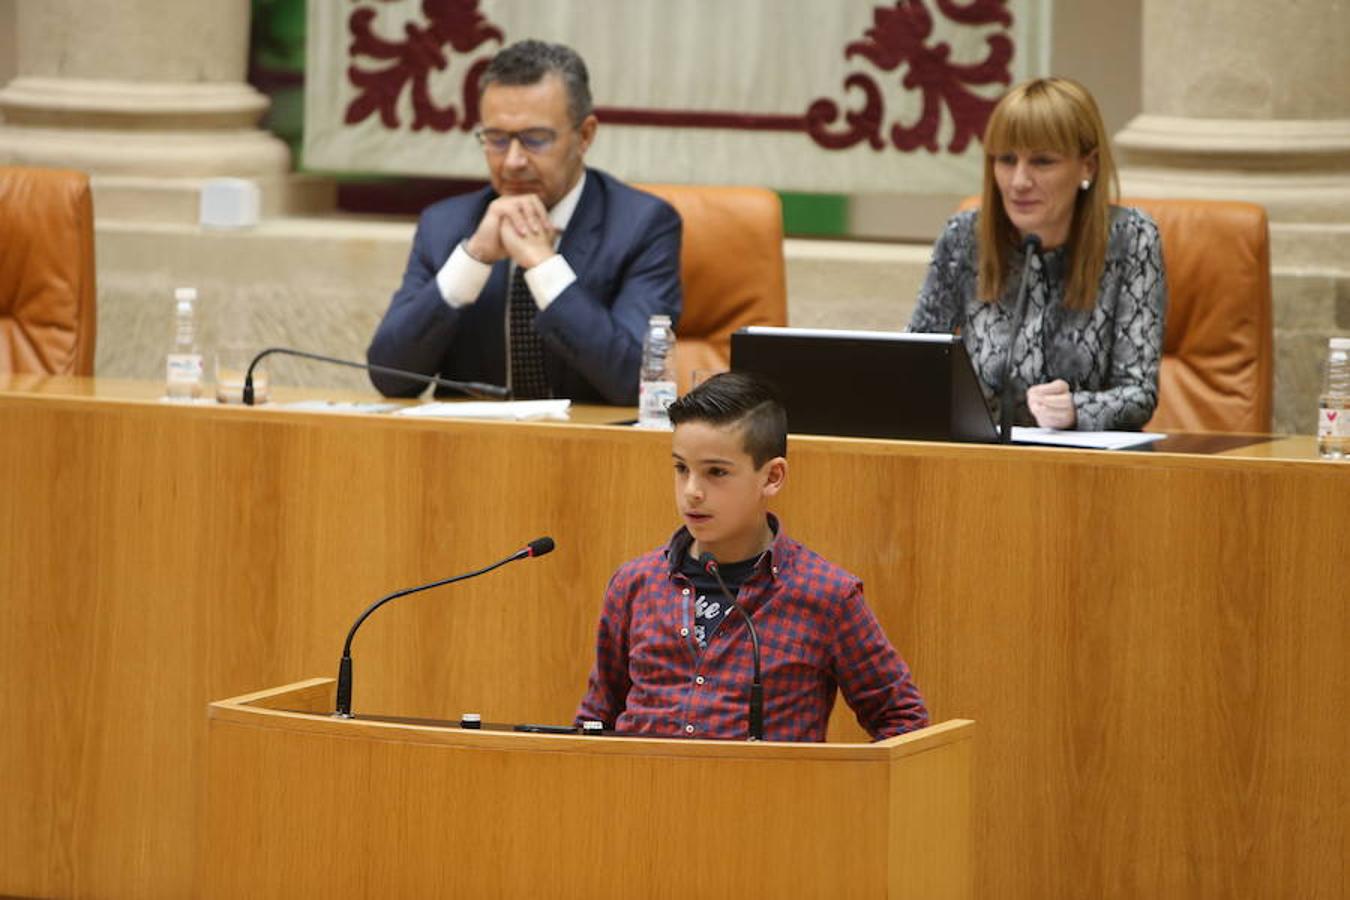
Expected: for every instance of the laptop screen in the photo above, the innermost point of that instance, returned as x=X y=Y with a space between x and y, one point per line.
x=869 y=383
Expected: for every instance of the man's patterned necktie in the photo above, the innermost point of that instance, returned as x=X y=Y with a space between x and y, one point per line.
x=528 y=381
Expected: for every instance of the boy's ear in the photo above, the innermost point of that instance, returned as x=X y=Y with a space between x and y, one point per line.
x=775 y=474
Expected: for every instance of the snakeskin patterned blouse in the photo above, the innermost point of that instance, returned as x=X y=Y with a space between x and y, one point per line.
x=1108 y=354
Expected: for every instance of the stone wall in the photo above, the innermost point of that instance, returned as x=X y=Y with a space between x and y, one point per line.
x=9 y=64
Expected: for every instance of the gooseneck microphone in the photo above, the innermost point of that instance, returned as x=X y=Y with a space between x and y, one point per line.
x=756 y=683
x=472 y=388
x=536 y=547
x=1030 y=246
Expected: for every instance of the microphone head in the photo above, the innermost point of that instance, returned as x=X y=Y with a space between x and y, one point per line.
x=539 y=546
x=708 y=563
x=1031 y=243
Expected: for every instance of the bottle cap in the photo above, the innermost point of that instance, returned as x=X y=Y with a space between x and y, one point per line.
x=188 y=294
x=591 y=726
x=659 y=320
x=1340 y=343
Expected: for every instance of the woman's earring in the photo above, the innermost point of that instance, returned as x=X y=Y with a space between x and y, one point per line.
x=1085 y=184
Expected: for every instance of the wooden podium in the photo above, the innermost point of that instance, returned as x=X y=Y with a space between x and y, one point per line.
x=303 y=804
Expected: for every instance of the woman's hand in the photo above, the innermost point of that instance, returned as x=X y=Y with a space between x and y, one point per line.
x=1052 y=404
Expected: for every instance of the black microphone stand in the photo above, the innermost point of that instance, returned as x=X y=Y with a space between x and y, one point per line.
x=537 y=547
x=472 y=388
x=756 y=682
x=1005 y=403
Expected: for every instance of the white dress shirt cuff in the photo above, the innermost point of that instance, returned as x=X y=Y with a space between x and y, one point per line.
x=462 y=277
x=549 y=279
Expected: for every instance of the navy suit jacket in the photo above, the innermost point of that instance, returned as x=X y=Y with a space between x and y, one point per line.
x=623 y=245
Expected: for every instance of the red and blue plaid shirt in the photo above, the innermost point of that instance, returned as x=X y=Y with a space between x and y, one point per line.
x=816 y=633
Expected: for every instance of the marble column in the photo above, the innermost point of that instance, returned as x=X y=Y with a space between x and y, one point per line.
x=1250 y=100
x=148 y=97
x=1245 y=100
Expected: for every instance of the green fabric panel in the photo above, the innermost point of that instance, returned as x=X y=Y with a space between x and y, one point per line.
x=823 y=215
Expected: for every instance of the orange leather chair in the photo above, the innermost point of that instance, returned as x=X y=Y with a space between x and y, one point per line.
x=47 y=315
x=731 y=265
x=1218 y=346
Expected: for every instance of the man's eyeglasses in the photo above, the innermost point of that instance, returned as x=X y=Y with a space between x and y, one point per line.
x=534 y=140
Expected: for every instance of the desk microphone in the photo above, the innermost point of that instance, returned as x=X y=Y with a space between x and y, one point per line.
x=1030 y=245
x=536 y=547
x=472 y=388
x=756 y=684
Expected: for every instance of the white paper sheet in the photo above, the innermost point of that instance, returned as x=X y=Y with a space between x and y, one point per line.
x=1089 y=440
x=509 y=410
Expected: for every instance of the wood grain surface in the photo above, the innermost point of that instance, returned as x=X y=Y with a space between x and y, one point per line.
x=306 y=805
x=1154 y=645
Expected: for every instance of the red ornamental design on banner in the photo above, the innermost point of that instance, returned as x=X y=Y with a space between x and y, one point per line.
x=454 y=23
x=899 y=36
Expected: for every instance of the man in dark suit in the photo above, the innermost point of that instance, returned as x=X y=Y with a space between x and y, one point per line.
x=546 y=280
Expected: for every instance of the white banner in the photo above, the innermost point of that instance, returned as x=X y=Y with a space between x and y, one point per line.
x=806 y=95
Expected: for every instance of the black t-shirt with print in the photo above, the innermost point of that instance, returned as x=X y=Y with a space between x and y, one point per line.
x=710 y=605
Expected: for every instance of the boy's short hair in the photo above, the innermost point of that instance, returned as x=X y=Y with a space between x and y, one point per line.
x=736 y=398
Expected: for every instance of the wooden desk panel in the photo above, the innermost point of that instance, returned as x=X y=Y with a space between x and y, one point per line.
x=498 y=814
x=1154 y=647
x=1152 y=644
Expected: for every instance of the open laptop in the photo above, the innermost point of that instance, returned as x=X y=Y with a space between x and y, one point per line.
x=869 y=383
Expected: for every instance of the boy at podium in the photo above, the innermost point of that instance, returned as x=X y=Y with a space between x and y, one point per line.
x=674 y=658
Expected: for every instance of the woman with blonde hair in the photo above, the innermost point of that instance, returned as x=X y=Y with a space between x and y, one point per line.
x=1086 y=351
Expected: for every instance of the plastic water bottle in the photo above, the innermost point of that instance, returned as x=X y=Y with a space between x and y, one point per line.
x=1333 y=407
x=656 y=391
x=183 y=366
